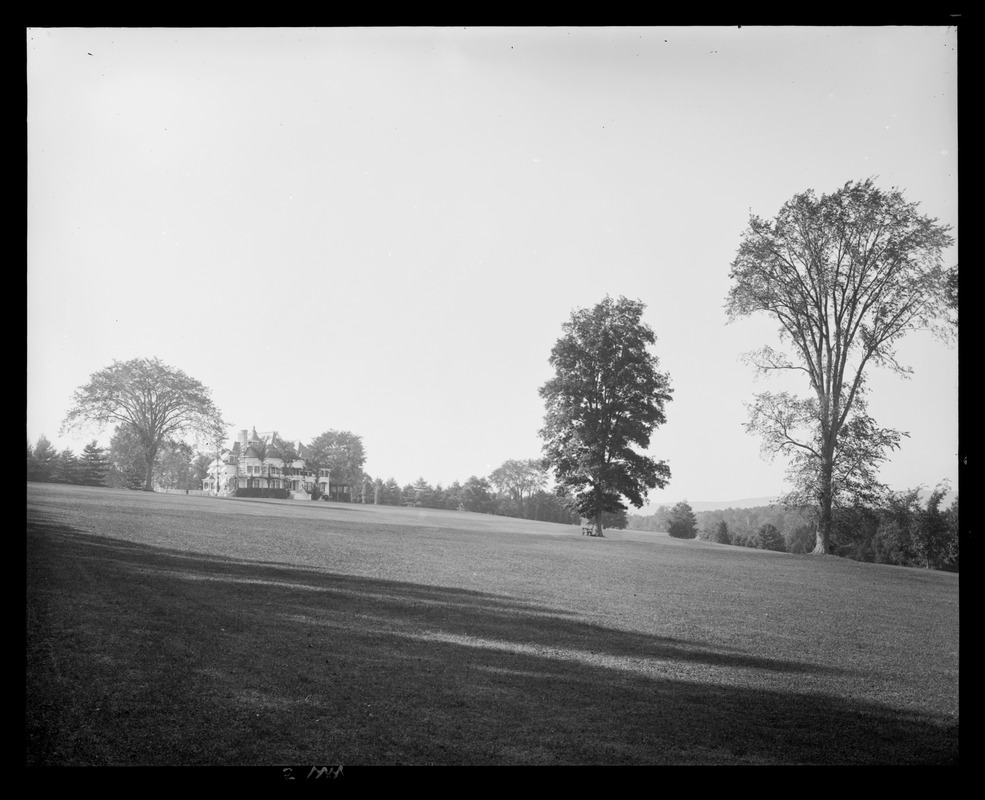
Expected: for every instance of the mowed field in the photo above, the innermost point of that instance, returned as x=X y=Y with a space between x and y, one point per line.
x=190 y=630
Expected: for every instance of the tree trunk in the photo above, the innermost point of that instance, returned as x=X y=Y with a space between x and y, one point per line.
x=822 y=544
x=149 y=479
x=598 y=523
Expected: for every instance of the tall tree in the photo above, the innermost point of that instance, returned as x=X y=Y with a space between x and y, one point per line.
x=846 y=276
x=519 y=479
x=602 y=405
x=157 y=401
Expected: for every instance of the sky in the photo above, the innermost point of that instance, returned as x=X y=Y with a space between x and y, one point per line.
x=382 y=230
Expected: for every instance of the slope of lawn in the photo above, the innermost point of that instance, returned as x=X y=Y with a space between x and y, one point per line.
x=188 y=630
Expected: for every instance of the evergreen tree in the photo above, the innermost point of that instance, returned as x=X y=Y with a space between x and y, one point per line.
x=95 y=465
x=683 y=523
x=44 y=460
x=66 y=468
x=768 y=537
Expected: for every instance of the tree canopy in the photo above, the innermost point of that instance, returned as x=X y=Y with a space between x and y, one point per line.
x=342 y=453
x=602 y=405
x=156 y=401
x=519 y=479
x=846 y=275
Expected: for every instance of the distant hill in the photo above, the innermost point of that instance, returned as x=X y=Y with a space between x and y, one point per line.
x=754 y=502
x=710 y=505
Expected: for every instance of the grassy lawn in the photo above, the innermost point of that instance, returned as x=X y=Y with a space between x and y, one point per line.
x=188 y=630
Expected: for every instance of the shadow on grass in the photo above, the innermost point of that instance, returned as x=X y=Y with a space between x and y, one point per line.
x=139 y=655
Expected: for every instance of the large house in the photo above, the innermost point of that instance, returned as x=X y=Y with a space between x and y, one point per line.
x=254 y=461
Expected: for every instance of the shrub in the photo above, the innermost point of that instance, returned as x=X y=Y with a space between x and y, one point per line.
x=276 y=494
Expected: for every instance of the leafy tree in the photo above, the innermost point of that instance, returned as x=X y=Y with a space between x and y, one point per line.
x=284 y=450
x=519 y=479
x=800 y=539
x=768 y=537
x=260 y=448
x=343 y=454
x=603 y=403
x=658 y=521
x=894 y=541
x=173 y=466
x=364 y=488
x=156 y=401
x=853 y=529
x=453 y=496
x=933 y=531
x=127 y=459
x=682 y=523
x=95 y=465
x=476 y=495
x=953 y=538
x=846 y=276
x=952 y=293
x=615 y=520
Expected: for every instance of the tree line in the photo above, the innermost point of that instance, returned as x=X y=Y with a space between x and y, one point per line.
x=122 y=465
x=909 y=528
x=515 y=489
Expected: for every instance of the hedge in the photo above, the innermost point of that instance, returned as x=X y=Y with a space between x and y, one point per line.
x=276 y=494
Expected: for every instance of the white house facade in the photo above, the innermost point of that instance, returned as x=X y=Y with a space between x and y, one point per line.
x=254 y=462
